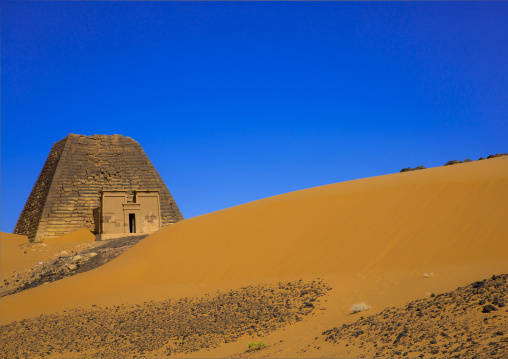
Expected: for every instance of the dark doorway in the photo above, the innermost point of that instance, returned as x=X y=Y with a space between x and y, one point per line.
x=132 y=222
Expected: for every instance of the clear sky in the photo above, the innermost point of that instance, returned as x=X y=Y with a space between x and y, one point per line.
x=237 y=101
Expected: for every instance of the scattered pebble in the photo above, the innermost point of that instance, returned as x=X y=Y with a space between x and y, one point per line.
x=159 y=329
x=439 y=325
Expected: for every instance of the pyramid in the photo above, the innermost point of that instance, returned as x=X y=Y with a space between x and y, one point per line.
x=67 y=194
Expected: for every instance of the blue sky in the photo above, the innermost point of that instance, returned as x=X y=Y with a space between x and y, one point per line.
x=237 y=101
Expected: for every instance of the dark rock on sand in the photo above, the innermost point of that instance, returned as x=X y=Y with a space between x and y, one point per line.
x=453 y=162
x=72 y=264
x=409 y=169
x=488 y=308
x=157 y=329
x=449 y=325
x=497 y=155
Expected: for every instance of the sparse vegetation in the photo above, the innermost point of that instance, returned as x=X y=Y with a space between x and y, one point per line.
x=256 y=346
x=419 y=328
x=359 y=307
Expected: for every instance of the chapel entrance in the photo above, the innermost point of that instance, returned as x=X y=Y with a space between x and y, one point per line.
x=132 y=223
x=120 y=216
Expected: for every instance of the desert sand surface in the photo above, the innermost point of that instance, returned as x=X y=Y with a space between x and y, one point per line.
x=79 y=236
x=386 y=241
x=11 y=246
x=468 y=322
x=19 y=257
x=19 y=254
x=87 y=256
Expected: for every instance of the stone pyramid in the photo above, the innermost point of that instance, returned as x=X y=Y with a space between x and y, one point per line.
x=77 y=170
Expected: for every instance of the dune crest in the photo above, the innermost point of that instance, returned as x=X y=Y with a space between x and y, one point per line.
x=410 y=222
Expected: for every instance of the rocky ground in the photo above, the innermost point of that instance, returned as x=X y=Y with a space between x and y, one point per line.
x=454 y=162
x=162 y=328
x=66 y=264
x=469 y=322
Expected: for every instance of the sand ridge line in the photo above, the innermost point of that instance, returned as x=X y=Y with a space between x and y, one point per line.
x=468 y=322
x=163 y=328
x=427 y=219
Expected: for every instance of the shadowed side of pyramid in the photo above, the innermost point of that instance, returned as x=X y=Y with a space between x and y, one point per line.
x=30 y=217
x=103 y=183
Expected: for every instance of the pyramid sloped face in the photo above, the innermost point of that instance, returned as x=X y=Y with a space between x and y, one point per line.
x=30 y=217
x=78 y=168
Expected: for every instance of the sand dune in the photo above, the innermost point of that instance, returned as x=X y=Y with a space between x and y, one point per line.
x=18 y=255
x=12 y=239
x=79 y=236
x=9 y=255
x=370 y=239
x=434 y=326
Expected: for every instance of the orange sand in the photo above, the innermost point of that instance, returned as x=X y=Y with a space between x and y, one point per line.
x=12 y=239
x=10 y=245
x=371 y=239
x=18 y=254
x=79 y=236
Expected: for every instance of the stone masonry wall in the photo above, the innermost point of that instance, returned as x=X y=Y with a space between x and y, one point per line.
x=30 y=217
x=87 y=165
